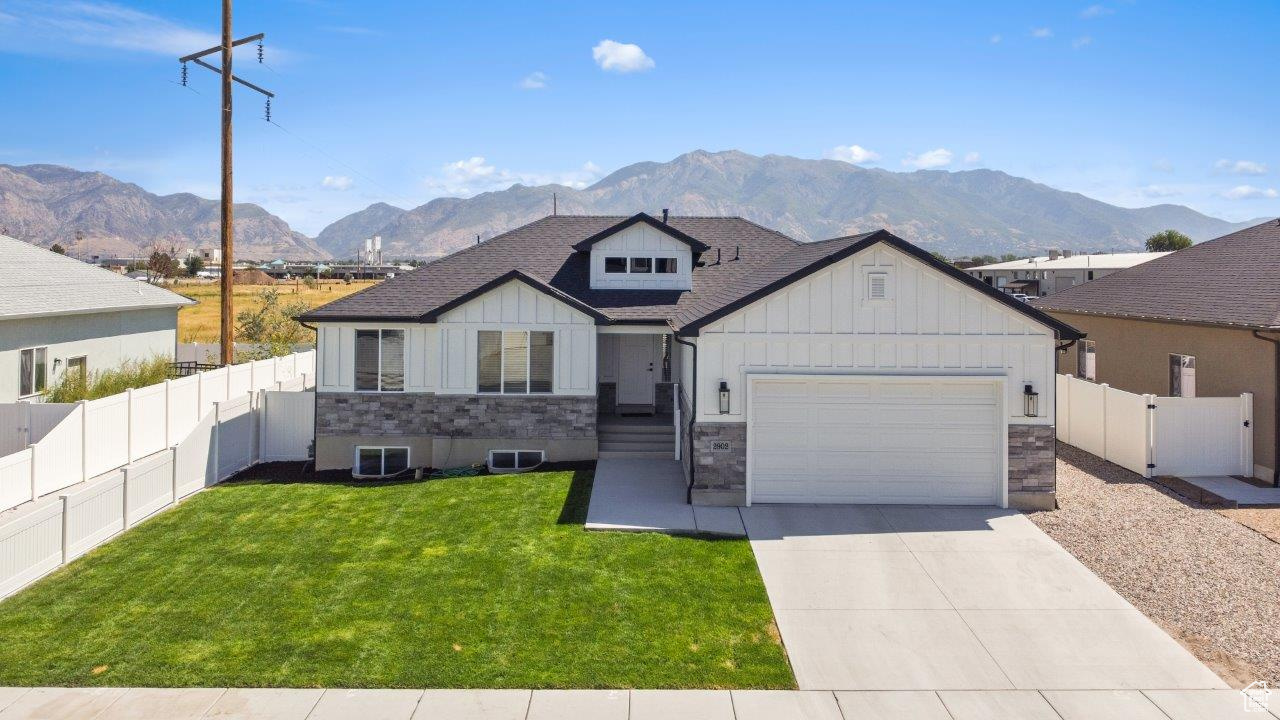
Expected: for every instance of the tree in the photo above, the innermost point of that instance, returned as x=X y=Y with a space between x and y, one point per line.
x=1168 y=241
x=194 y=264
x=272 y=325
x=985 y=259
x=940 y=257
x=162 y=262
x=1008 y=257
x=59 y=249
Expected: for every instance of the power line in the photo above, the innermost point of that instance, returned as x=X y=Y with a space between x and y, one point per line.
x=390 y=193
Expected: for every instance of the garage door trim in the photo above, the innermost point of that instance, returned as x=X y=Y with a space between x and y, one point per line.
x=999 y=381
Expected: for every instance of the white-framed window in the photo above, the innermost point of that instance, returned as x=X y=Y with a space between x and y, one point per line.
x=79 y=366
x=1087 y=360
x=1182 y=375
x=515 y=362
x=33 y=371
x=666 y=265
x=380 y=360
x=641 y=265
x=379 y=461
x=516 y=459
x=614 y=265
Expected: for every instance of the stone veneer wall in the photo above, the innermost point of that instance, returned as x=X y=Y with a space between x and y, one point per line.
x=1033 y=466
x=719 y=473
x=458 y=416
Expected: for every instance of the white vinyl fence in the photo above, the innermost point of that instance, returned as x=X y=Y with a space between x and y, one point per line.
x=72 y=443
x=1153 y=435
x=233 y=435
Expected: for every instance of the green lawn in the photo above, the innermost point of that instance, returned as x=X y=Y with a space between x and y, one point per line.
x=469 y=582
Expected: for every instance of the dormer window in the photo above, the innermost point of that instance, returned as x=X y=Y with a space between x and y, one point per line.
x=615 y=265
x=641 y=254
x=666 y=266
x=641 y=265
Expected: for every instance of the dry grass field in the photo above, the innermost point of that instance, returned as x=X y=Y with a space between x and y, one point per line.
x=199 y=323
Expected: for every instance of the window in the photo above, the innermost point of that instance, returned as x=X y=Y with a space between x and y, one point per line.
x=500 y=460
x=33 y=373
x=380 y=461
x=515 y=362
x=665 y=265
x=380 y=360
x=641 y=265
x=615 y=264
x=1086 y=360
x=79 y=366
x=1182 y=375
x=1090 y=274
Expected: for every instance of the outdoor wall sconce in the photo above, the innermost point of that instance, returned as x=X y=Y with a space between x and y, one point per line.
x=724 y=397
x=1030 y=401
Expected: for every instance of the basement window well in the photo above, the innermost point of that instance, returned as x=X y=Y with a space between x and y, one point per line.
x=514 y=461
x=375 y=462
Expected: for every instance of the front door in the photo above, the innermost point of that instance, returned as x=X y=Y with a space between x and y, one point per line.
x=635 y=370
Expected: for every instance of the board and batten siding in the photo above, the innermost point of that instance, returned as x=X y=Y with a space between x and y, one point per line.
x=442 y=357
x=930 y=324
x=642 y=240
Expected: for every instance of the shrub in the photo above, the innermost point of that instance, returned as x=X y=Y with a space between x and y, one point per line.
x=73 y=387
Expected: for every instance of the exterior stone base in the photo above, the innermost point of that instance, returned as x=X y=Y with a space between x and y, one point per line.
x=1033 y=464
x=1033 y=500
x=719 y=463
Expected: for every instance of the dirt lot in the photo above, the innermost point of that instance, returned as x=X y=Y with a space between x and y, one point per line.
x=1208 y=580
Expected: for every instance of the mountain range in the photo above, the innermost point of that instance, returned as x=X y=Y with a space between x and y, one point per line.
x=956 y=213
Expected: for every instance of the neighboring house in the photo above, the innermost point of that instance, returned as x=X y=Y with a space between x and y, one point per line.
x=858 y=369
x=58 y=314
x=1202 y=321
x=1041 y=276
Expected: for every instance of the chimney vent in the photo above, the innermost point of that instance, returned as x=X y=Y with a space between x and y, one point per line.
x=664 y=215
x=737 y=252
x=717 y=256
x=1053 y=255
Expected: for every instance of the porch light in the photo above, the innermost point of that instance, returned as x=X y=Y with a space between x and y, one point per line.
x=1030 y=401
x=724 y=397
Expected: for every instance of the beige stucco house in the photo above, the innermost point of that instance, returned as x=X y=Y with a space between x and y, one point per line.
x=1204 y=321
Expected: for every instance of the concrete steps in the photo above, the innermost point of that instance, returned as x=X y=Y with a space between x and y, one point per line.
x=636 y=441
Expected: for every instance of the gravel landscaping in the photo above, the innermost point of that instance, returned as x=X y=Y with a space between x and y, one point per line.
x=1210 y=582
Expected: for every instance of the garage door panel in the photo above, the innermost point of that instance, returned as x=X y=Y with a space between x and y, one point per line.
x=876 y=440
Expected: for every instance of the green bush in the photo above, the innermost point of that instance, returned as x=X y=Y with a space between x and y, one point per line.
x=73 y=387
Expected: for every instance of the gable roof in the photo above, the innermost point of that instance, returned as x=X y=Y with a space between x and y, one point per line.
x=1232 y=280
x=752 y=261
x=36 y=282
x=696 y=245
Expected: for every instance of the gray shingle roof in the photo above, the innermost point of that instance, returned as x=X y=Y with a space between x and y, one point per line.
x=1231 y=280
x=544 y=251
x=36 y=282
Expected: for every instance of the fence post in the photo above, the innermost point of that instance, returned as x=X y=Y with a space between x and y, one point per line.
x=124 y=492
x=26 y=424
x=217 y=440
x=1104 y=387
x=32 y=448
x=66 y=533
x=173 y=474
x=84 y=440
x=166 y=412
x=129 y=423
x=1150 y=420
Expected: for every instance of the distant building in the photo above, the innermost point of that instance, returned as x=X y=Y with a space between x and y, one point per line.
x=1045 y=275
x=58 y=314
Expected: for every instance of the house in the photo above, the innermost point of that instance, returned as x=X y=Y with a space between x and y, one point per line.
x=1201 y=321
x=857 y=369
x=58 y=314
x=1055 y=272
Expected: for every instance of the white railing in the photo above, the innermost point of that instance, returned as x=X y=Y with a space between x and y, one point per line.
x=1153 y=435
x=675 y=414
x=262 y=426
x=74 y=442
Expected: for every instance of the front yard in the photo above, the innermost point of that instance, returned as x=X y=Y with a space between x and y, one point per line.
x=467 y=582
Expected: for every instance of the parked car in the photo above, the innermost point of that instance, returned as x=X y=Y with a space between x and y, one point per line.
x=1022 y=296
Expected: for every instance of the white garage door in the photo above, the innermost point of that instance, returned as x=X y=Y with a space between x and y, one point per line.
x=847 y=439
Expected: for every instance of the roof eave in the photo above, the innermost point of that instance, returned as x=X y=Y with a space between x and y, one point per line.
x=696 y=245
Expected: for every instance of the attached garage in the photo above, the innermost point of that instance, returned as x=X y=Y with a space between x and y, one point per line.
x=936 y=440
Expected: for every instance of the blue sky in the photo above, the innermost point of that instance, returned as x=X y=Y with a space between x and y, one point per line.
x=1132 y=102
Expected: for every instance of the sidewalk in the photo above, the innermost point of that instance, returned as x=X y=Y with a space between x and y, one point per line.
x=314 y=704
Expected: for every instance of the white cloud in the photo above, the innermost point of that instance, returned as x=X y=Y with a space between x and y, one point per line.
x=1082 y=41
x=1158 y=191
x=337 y=182
x=1249 y=192
x=476 y=175
x=621 y=57
x=52 y=28
x=931 y=159
x=534 y=81
x=1240 y=167
x=1041 y=32
x=1162 y=165
x=995 y=39
x=1095 y=11
x=972 y=158
x=855 y=154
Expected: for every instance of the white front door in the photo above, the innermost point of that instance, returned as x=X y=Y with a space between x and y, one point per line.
x=635 y=370
x=852 y=439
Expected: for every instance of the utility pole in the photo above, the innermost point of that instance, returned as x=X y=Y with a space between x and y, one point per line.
x=227 y=225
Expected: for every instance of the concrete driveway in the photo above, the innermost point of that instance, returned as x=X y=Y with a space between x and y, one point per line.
x=945 y=598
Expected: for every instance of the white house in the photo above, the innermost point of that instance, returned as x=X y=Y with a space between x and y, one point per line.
x=1040 y=276
x=857 y=369
x=58 y=314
